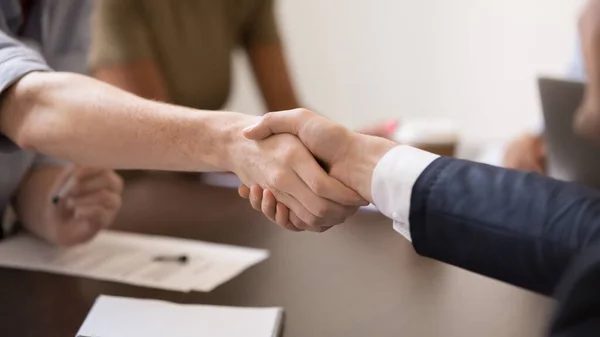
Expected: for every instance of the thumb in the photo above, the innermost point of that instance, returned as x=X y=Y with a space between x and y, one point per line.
x=278 y=122
x=258 y=131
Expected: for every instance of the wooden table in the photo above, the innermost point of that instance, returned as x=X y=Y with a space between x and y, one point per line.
x=358 y=280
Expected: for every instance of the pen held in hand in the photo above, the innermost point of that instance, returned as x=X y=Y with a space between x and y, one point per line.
x=64 y=189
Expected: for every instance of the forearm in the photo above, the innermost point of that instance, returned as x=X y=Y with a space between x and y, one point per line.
x=82 y=120
x=273 y=77
x=521 y=228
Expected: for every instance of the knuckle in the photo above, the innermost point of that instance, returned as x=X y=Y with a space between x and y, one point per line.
x=312 y=221
x=278 y=178
x=105 y=195
x=266 y=118
x=350 y=211
x=117 y=202
x=322 y=209
x=289 y=226
x=254 y=201
x=77 y=190
x=78 y=180
x=289 y=152
x=118 y=180
x=64 y=241
x=317 y=186
x=109 y=200
x=302 y=112
x=97 y=214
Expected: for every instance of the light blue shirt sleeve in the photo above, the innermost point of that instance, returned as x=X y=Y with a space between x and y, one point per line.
x=16 y=60
x=576 y=68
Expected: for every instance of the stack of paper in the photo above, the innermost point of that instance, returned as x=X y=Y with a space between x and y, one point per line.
x=145 y=260
x=125 y=317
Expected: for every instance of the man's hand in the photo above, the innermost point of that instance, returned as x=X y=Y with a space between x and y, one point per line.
x=89 y=206
x=350 y=157
x=526 y=153
x=286 y=168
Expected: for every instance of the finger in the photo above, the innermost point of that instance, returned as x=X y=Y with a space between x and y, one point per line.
x=282 y=216
x=256 y=197
x=97 y=216
x=281 y=212
x=244 y=191
x=295 y=206
x=297 y=223
x=102 y=198
x=278 y=213
x=105 y=180
x=335 y=214
x=289 y=121
x=324 y=186
x=311 y=209
x=75 y=232
x=269 y=205
x=83 y=172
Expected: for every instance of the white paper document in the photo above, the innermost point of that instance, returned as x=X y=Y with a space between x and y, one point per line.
x=138 y=259
x=127 y=317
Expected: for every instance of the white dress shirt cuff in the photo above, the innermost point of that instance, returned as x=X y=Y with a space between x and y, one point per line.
x=393 y=181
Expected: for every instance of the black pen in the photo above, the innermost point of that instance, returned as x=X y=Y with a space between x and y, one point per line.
x=183 y=259
x=64 y=189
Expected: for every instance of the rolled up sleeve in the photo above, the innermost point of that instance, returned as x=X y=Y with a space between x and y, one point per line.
x=119 y=33
x=16 y=60
x=42 y=160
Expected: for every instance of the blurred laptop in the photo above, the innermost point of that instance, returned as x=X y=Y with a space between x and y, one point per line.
x=570 y=157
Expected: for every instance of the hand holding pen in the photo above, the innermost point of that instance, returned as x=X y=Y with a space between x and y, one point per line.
x=83 y=202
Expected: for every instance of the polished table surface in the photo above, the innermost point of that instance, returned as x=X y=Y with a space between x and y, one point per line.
x=359 y=279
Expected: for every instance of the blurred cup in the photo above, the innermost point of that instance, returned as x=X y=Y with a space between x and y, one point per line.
x=439 y=136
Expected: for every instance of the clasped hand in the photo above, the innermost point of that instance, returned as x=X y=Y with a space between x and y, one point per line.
x=348 y=157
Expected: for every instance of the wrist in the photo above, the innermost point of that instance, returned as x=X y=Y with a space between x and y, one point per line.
x=231 y=141
x=366 y=153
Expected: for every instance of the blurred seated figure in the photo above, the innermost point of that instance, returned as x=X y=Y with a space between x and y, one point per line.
x=528 y=151
x=180 y=52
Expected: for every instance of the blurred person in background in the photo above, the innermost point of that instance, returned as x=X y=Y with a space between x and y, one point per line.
x=528 y=151
x=29 y=181
x=180 y=52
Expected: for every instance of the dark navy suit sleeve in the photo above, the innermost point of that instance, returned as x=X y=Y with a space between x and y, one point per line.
x=578 y=313
x=517 y=227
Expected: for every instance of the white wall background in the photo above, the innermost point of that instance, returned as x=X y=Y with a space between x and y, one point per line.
x=474 y=61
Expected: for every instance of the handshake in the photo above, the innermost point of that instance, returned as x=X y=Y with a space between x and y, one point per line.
x=299 y=193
